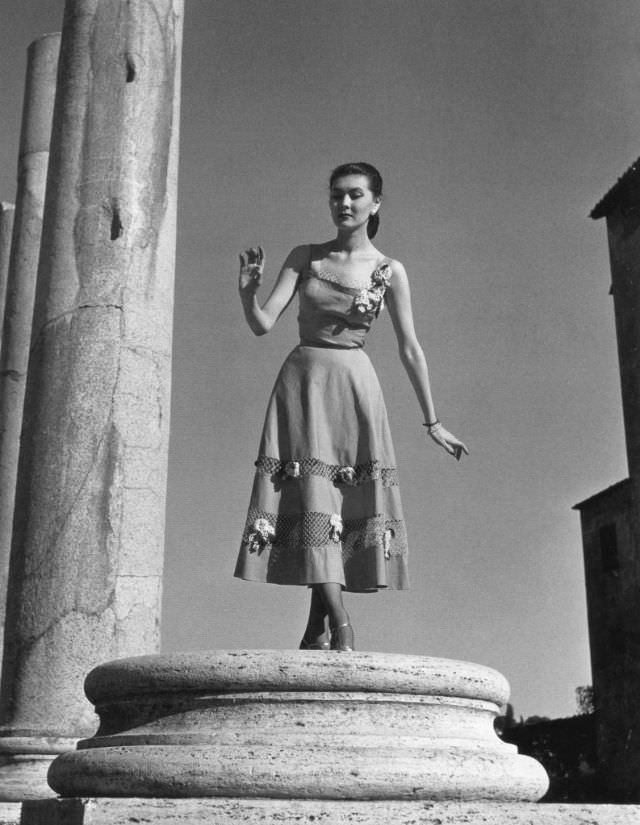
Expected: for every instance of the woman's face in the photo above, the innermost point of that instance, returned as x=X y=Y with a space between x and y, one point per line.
x=351 y=201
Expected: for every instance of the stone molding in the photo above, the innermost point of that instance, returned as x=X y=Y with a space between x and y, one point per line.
x=297 y=725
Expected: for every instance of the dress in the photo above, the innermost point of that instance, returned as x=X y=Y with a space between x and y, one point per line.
x=325 y=504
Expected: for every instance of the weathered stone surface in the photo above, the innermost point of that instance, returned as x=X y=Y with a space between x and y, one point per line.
x=297 y=724
x=10 y=813
x=261 y=670
x=318 y=812
x=7 y=211
x=42 y=63
x=25 y=776
x=86 y=558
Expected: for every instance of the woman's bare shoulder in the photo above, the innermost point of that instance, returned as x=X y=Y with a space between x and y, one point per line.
x=397 y=268
x=305 y=254
x=299 y=257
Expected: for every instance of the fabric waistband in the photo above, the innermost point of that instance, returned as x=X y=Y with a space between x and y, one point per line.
x=326 y=345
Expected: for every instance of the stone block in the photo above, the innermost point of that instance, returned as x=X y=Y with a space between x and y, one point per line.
x=10 y=813
x=317 y=812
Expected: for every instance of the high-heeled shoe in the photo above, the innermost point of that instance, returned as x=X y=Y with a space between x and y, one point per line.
x=342 y=638
x=305 y=644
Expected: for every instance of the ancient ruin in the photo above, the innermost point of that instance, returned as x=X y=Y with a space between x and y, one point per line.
x=85 y=572
x=222 y=736
x=7 y=211
x=33 y=160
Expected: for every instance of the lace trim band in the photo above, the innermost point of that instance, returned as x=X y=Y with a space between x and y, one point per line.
x=339 y=475
x=293 y=533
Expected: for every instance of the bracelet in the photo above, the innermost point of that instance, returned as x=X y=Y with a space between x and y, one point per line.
x=432 y=423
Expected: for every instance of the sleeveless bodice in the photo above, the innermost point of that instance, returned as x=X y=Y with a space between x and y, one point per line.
x=333 y=314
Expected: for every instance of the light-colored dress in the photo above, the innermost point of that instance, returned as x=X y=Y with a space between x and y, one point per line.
x=325 y=504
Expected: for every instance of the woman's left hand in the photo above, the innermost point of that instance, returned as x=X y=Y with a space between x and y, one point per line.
x=448 y=441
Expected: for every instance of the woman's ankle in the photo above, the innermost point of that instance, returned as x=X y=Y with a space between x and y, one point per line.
x=314 y=629
x=339 y=619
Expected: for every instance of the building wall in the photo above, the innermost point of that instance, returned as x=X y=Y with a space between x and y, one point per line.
x=623 y=230
x=612 y=572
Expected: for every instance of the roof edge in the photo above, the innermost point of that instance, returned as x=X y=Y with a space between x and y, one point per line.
x=614 y=488
x=608 y=203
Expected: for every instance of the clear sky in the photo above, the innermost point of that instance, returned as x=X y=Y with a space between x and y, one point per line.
x=497 y=125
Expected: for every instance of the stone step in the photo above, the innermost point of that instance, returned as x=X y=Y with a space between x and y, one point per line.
x=316 y=812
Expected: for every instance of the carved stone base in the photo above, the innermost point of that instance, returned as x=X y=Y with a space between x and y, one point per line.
x=297 y=725
x=24 y=763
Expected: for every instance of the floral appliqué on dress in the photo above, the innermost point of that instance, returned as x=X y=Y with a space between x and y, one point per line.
x=351 y=476
x=347 y=475
x=335 y=527
x=371 y=300
x=292 y=469
x=260 y=539
x=389 y=534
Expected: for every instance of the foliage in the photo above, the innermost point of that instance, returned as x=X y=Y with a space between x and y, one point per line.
x=585 y=700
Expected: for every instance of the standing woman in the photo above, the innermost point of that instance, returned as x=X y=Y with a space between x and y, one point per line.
x=325 y=508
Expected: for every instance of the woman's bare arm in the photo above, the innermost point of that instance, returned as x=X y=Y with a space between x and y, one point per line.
x=398 y=297
x=262 y=318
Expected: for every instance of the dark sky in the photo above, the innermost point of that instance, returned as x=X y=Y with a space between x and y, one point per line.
x=497 y=125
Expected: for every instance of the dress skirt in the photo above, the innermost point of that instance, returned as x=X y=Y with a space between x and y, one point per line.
x=325 y=504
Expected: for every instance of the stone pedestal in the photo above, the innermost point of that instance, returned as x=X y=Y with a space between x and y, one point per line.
x=297 y=725
x=85 y=572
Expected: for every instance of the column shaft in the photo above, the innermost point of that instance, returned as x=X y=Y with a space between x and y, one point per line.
x=42 y=62
x=86 y=559
x=7 y=211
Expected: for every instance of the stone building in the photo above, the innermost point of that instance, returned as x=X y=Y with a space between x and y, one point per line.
x=610 y=521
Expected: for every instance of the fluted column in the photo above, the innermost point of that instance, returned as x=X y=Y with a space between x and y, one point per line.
x=33 y=158
x=6 y=230
x=86 y=559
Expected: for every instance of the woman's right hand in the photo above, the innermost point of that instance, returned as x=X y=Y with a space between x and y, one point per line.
x=251 y=269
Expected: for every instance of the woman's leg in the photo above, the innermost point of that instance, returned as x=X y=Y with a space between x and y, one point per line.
x=315 y=635
x=341 y=630
x=326 y=600
x=331 y=595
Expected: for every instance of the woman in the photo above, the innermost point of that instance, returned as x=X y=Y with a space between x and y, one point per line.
x=325 y=509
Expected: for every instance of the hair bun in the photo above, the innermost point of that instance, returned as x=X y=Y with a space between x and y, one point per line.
x=373 y=225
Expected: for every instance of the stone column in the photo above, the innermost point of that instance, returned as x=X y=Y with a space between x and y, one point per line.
x=86 y=560
x=42 y=62
x=6 y=230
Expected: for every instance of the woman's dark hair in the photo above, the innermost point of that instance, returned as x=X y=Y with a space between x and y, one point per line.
x=375 y=184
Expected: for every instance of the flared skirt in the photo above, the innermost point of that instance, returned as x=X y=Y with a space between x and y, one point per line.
x=325 y=504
